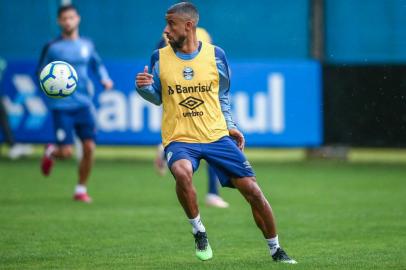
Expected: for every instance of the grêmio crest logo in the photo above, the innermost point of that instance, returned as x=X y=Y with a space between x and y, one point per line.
x=188 y=73
x=179 y=89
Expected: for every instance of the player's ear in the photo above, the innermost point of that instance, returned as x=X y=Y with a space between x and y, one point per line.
x=189 y=25
x=79 y=18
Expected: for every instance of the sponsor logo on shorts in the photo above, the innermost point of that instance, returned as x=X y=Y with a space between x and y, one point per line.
x=168 y=156
x=247 y=164
x=60 y=134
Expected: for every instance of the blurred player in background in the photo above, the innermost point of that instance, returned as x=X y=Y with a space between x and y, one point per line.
x=212 y=198
x=75 y=113
x=191 y=80
x=16 y=150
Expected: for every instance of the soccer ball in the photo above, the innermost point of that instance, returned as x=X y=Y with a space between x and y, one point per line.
x=58 y=79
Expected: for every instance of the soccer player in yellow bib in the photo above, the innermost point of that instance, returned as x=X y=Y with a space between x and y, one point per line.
x=191 y=80
x=213 y=197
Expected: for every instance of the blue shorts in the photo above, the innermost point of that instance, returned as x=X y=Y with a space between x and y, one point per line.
x=81 y=121
x=223 y=155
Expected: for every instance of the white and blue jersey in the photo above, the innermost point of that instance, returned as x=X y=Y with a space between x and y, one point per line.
x=81 y=54
x=75 y=113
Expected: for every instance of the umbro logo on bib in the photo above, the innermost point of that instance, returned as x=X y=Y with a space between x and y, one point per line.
x=191 y=103
x=188 y=73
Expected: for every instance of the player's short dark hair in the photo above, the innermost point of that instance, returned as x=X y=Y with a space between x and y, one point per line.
x=185 y=8
x=65 y=8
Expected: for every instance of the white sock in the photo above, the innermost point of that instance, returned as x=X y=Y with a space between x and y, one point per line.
x=273 y=244
x=50 y=149
x=197 y=224
x=80 y=189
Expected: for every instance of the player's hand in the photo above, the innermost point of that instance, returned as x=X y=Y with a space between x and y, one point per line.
x=144 y=78
x=239 y=137
x=107 y=84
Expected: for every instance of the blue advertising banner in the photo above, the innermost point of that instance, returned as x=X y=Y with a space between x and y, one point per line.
x=273 y=103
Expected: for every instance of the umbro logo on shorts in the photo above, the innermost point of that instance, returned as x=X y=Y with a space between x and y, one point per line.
x=168 y=156
x=247 y=164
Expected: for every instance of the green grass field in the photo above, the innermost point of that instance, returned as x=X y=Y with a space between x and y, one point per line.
x=331 y=215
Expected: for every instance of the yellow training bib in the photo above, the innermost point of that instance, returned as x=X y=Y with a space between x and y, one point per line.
x=190 y=97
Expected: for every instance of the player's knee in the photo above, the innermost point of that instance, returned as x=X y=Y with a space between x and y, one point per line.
x=255 y=194
x=182 y=173
x=88 y=148
x=183 y=177
x=252 y=180
x=66 y=152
